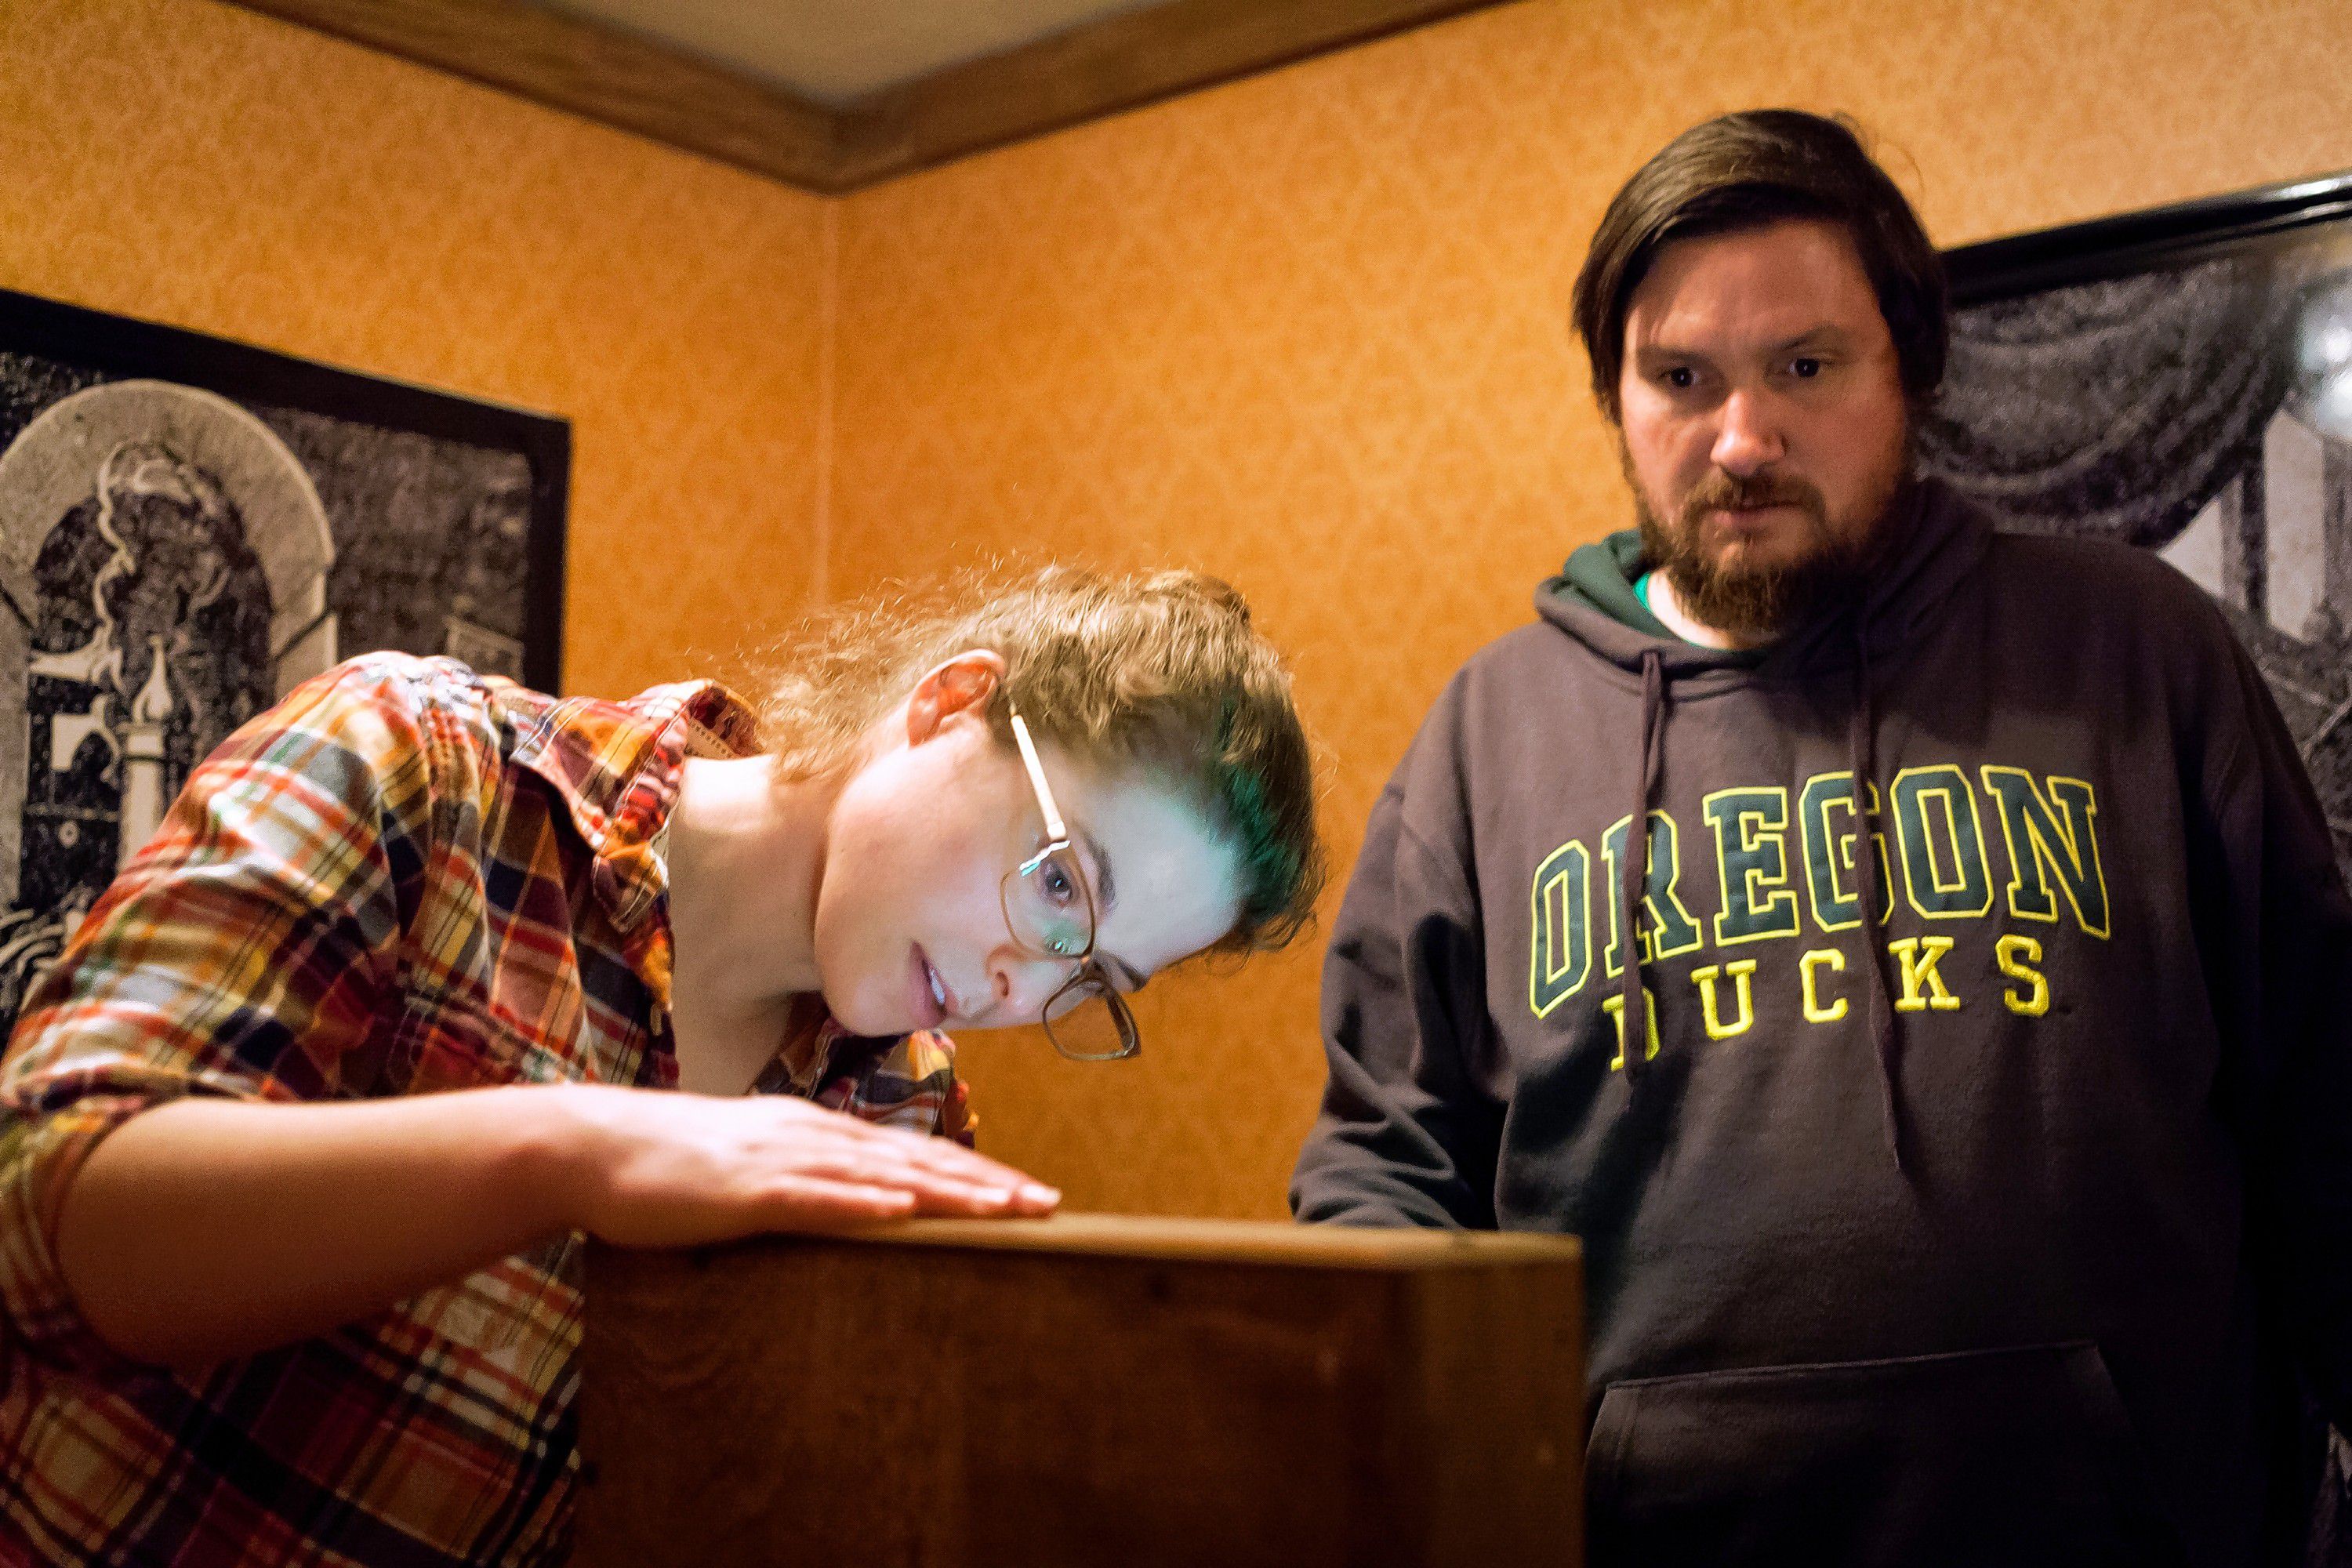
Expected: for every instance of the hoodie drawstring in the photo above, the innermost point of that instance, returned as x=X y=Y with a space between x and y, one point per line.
x=1882 y=1006
x=1633 y=870
x=1632 y=873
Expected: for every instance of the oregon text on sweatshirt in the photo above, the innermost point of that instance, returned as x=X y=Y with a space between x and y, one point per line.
x=1970 y=1191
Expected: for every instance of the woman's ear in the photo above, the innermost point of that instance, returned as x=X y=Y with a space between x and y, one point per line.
x=961 y=685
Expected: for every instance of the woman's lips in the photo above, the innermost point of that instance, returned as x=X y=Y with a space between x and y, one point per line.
x=933 y=1005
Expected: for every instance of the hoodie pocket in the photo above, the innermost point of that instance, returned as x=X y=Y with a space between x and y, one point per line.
x=2008 y=1456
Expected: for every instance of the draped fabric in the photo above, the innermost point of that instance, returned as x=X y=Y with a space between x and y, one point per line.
x=2115 y=409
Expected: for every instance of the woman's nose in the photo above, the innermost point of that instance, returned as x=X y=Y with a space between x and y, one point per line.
x=1023 y=983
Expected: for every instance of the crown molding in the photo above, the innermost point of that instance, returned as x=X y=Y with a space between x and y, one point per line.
x=639 y=85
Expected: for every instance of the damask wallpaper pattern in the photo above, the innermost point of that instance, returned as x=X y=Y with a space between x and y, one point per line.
x=1307 y=331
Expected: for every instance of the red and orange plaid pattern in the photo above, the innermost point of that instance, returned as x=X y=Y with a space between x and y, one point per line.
x=404 y=877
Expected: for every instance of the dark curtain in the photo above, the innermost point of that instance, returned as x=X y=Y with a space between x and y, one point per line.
x=2114 y=410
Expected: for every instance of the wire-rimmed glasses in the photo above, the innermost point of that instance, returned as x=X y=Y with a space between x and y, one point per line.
x=1050 y=910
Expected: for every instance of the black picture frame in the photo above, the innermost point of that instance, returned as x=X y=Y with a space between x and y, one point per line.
x=124 y=346
x=189 y=526
x=2154 y=237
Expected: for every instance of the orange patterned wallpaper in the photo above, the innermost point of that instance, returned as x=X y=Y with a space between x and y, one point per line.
x=194 y=163
x=1309 y=330
x=1306 y=331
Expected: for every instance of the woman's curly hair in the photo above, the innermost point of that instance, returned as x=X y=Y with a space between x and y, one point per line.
x=1160 y=670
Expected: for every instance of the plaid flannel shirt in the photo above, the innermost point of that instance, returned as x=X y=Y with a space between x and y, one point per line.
x=404 y=877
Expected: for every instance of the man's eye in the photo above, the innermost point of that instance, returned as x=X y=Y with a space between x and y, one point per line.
x=1681 y=378
x=1056 y=883
x=1805 y=369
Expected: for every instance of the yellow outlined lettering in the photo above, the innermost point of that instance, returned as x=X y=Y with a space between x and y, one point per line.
x=1560 y=940
x=2017 y=955
x=1922 y=987
x=1831 y=855
x=1751 y=865
x=1968 y=893
x=1667 y=926
x=1615 y=1008
x=1741 y=972
x=2046 y=844
x=1834 y=961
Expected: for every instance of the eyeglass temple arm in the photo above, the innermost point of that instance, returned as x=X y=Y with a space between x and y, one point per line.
x=1055 y=826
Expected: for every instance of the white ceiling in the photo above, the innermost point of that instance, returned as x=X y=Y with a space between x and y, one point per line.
x=835 y=50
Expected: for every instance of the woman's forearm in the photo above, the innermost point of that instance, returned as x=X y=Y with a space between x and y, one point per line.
x=210 y=1229
x=205 y=1229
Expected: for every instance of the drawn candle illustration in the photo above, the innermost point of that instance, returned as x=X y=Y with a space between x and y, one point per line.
x=143 y=795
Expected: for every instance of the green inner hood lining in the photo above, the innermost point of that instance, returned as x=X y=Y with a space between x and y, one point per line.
x=1603 y=574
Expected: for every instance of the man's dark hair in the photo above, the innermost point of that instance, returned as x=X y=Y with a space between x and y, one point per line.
x=1745 y=171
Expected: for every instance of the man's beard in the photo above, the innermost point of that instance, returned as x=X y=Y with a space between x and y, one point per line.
x=1761 y=601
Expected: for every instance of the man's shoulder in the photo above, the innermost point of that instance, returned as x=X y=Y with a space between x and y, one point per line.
x=1499 y=677
x=2099 y=576
x=2114 y=613
x=1494 y=699
x=2015 y=549
x=1536 y=647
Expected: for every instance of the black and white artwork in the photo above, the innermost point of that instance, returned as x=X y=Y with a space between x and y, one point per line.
x=188 y=528
x=2181 y=380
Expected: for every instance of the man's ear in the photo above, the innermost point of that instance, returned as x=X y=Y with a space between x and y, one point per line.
x=961 y=685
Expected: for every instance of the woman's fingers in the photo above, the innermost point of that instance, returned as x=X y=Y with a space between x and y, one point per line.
x=680 y=1170
x=997 y=1191
x=1029 y=1195
x=806 y=1197
x=801 y=1199
x=938 y=1160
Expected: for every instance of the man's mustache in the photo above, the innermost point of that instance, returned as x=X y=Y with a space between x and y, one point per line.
x=1721 y=491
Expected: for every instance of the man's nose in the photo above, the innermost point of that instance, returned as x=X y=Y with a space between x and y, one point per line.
x=1748 y=438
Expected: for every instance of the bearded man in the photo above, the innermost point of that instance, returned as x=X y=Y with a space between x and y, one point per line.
x=1954 y=1097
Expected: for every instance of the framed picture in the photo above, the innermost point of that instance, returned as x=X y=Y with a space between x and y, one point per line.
x=188 y=528
x=2180 y=379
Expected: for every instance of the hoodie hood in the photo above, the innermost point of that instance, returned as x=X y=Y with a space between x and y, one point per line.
x=1939 y=539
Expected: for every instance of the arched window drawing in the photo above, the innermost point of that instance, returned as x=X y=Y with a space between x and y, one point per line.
x=165 y=561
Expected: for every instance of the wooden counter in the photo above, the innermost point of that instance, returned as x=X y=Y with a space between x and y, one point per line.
x=1116 y=1392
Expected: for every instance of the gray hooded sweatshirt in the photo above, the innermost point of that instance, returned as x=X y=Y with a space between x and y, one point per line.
x=1980 y=1189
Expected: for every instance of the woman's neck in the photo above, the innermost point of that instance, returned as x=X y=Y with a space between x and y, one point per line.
x=746 y=856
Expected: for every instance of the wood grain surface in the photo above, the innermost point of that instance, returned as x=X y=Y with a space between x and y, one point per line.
x=1224 y=1241
x=1087 y=1390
